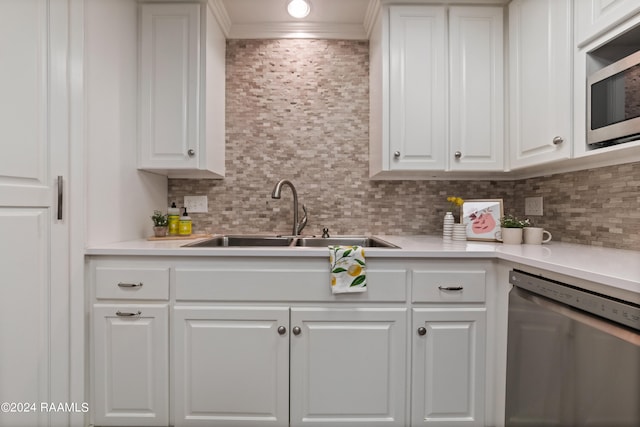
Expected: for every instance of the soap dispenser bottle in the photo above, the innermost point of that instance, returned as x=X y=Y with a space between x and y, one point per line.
x=174 y=218
x=184 y=226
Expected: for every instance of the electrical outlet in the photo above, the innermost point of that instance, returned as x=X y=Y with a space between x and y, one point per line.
x=196 y=204
x=533 y=206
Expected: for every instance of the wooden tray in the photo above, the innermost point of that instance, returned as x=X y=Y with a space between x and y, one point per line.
x=190 y=237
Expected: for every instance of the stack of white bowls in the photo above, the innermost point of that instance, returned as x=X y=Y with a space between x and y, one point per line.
x=459 y=232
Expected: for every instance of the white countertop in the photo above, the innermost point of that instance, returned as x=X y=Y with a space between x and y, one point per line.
x=611 y=267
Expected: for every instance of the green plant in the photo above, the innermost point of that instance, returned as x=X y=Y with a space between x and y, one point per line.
x=159 y=219
x=511 y=221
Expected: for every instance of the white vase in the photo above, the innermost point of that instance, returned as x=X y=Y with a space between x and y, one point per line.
x=447 y=226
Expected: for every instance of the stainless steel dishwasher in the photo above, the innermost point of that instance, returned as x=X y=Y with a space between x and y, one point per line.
x=573 y=356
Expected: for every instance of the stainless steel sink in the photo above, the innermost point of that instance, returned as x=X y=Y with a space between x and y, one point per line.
x=241 y=240
x=364 y=241
x=289 y=241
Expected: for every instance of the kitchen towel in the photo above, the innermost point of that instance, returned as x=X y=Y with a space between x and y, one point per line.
x=348 y=269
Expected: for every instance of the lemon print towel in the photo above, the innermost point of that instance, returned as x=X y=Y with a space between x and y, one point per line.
x=348 y=269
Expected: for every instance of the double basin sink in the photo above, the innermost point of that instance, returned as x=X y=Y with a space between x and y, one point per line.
x=290 y=241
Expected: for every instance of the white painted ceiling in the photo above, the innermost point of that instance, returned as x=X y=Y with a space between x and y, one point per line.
x=345 y=19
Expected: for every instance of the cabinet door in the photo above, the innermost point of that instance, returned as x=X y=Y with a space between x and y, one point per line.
x=540 y=77
x=348 y=366
x=417 y=86
x=169 y=86
x=594 y=17
x=130 y=373
x=476 y=140
x=231 y=366
x=448 y=371
x=35 y=87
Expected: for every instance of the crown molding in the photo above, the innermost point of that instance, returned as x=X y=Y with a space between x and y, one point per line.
x=309 y=30
x=221 y=15
x=373 y=10
x=299 y=30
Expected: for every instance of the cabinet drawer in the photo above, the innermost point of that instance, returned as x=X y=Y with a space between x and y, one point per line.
x=132 y=283
x=221 y=284
x=448 y=286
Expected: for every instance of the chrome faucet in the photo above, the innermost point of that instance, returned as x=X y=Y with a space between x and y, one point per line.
x=297 y=226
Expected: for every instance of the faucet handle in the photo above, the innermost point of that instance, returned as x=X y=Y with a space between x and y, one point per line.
x=303 y=222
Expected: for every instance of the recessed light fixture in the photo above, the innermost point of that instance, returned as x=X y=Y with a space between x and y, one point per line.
x=298 y=8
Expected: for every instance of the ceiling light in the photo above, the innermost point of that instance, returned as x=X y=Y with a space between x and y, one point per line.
x=298 y=8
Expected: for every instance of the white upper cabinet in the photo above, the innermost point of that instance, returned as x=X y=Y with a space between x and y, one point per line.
x=436 y=90
x=417 y=96
x=182 y=84
x=540 y=110
x=476 y=88
x=594 y=17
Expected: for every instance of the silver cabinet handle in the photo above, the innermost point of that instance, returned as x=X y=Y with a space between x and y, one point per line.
x=396 y=154
x=191 y=152
x=558 y=140
x=130 y=285
x=458 y=154
x=127 y=313
x=282 y=330
x=422 y=330
x=60 y=194
x=296 y=330
x=450 y=288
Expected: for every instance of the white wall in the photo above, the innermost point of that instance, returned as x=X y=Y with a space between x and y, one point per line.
x=120 y=199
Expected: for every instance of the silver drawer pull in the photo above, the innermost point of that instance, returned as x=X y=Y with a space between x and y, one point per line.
x=130 y=285
x=127 y=314
x=450 y=288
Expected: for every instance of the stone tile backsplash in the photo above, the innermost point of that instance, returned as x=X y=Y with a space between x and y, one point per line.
x=594 y=206
x=299 y=110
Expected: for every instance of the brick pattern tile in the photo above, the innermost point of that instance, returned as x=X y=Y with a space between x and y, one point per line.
x=299 y=110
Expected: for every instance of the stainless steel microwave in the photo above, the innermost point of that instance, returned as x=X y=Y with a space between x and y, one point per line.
x=613 y=102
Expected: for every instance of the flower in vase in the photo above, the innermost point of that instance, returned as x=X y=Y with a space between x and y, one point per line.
x=456 y=202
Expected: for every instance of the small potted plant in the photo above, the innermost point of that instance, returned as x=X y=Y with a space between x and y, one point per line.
x=160 y=222
x=511 y=229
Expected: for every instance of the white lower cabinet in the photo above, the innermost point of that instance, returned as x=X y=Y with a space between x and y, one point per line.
x=131 y=364
x=348 y=366
x=231 y=366
x=247 y=342
x=448 y=371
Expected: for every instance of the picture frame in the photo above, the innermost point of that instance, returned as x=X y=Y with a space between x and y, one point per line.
x=481 y=218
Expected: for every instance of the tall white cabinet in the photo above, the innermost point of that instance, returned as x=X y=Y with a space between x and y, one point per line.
x=540 y=108
x=34 y=209
x=436 y=90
